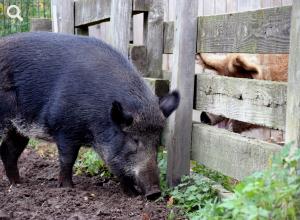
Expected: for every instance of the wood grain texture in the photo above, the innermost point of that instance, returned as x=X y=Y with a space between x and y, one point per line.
x=153 y=32
x=168 y=37
x=180 y=122
x=120 y=25
x=63 y=16
x=254 y=101
x=160 y=87
x=230 y=153
x=261 y=31
x=232 y=6
x=140 y=5
x=293 y=98
x=40 y=24
x=90 y=12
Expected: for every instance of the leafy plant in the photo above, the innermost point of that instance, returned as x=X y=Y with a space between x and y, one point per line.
x=226 y=181
x=270 y=194
x=89 y=163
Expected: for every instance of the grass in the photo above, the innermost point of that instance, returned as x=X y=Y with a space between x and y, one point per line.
x=88 y=162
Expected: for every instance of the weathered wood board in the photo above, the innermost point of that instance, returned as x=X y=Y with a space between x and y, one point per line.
x=89 y=12
x=293 y=101
x=230 y=153
x=248 y=100
x=261 y=31
x=160 y=87
x=168 y=37
x=40 y=24
x=180 y=122
x=120 y=25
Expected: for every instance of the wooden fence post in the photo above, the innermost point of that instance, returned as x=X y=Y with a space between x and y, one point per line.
x=293 y=98
x=180 y=123
x=153 y=32
x=63 y=16
x=121 y=11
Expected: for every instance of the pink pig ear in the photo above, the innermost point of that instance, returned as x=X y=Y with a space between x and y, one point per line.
x=169 y=103
x=118 y=115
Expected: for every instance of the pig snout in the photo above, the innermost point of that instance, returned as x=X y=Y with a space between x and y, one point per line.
x=148 y=182
x=154 y=193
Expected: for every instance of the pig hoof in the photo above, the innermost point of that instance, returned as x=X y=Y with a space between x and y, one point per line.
x=15 y=181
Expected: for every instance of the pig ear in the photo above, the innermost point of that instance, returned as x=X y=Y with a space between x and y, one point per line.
x=119 y=116
x=169 y=103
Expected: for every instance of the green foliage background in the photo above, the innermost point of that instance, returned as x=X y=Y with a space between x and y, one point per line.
x=29 y=9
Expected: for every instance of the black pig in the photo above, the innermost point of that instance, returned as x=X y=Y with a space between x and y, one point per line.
x=78 y=91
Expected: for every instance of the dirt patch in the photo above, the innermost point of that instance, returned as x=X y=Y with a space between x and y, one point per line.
x=92 y=198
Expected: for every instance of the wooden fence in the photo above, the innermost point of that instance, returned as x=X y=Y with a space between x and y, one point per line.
x=271 y=104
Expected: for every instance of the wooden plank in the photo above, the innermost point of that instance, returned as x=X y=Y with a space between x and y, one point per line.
x=293 y=98
x=66 y=16
x=208 y=7
x=220 y=6
x=40 y=24
x=261 y=31
x=287 y=2
x=246 y=5
x=54 y=16
x=168 y=37
x=90 y=12
x=140 y=5
x=230 y=153
x=254 y=101
x=138 y=56
x=180 y=122
x=120 y=25
x=160 y=87
x=153 y=32
x=215 y=38
x=232 y=6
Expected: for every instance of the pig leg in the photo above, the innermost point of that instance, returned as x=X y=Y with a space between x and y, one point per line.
x=67 y=156
x=11 y=148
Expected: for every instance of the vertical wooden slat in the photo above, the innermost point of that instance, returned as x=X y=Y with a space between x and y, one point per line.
x=220 y=6
x=63 y=16
x=208 y=7
x=200 y=7
x=120 y=24
x=153 y=32
x=180 y=122
x=245 y=5
x=232 y=6
x=293 y=98
x=55 y=16
x=287 y=2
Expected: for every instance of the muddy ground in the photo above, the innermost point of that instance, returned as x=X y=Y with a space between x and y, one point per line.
x=92 y=198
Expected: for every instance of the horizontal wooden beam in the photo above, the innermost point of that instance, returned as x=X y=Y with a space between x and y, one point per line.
x=91 y=12
x=230 y=153
x=159 y=86
x=261 y=31
x=254 y=101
